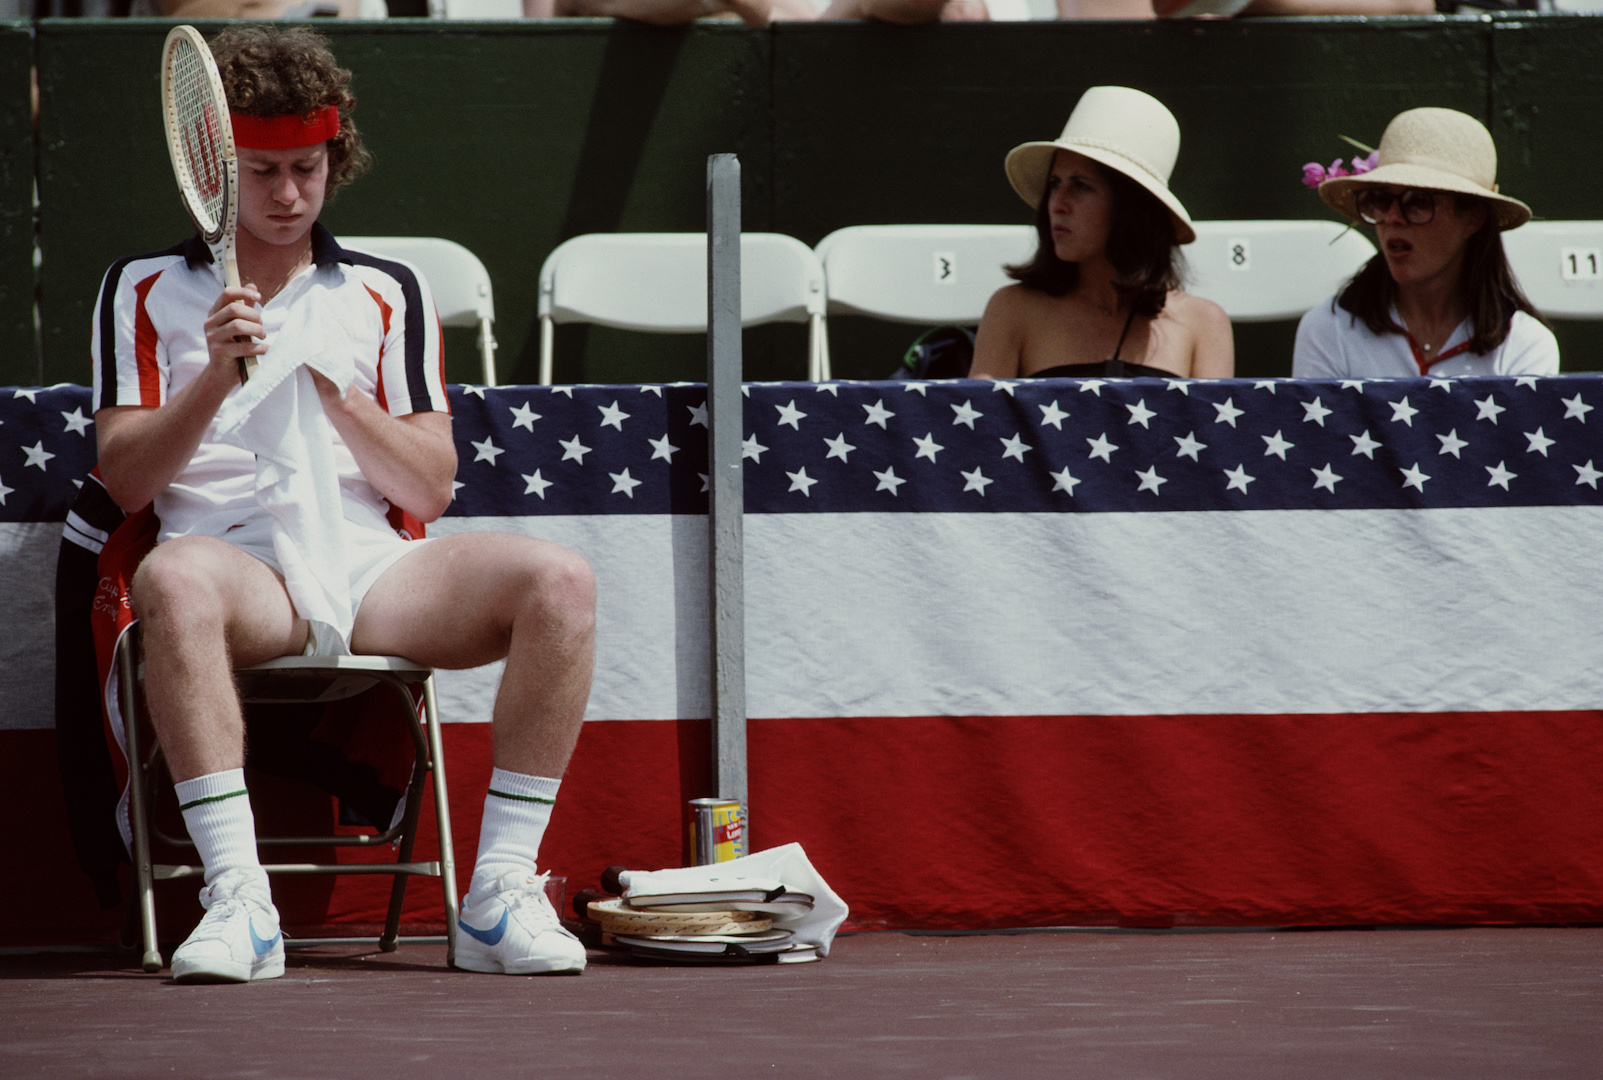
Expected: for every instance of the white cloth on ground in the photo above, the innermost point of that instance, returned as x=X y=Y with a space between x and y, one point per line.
x=787 y=864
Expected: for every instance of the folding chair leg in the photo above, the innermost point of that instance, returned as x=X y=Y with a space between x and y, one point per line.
x=138 y=811
x=442 y=818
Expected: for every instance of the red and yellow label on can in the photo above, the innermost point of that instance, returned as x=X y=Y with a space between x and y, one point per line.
x=717 y=831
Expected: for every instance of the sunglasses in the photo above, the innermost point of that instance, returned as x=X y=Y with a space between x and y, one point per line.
x=1416 y=205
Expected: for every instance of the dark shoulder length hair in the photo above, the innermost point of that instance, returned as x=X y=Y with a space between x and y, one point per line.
x=1141 y=247
x=1487 y=286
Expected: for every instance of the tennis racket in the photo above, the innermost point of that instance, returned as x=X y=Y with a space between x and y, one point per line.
x=200 y=141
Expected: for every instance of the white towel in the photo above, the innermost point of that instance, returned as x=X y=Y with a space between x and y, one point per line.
x=787 y=864
x=278 y=416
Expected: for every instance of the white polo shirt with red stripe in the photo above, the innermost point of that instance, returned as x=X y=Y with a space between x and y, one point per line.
x=1333 y=343
x=149 y=341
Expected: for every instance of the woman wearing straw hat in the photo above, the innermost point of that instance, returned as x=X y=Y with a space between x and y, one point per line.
x=1439 y=298
x=1102 y=295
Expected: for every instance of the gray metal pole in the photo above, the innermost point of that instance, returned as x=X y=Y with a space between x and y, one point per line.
x=724 y=421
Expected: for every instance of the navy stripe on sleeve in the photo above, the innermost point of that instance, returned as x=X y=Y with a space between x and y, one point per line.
x=414 y=325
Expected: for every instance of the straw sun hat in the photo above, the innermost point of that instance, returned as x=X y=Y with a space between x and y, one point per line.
x=1440 y=149
x=1120 y=128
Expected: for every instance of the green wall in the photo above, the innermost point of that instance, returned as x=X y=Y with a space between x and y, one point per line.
x=510 y=137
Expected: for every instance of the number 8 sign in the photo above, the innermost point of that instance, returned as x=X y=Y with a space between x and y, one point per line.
x=1238 y=254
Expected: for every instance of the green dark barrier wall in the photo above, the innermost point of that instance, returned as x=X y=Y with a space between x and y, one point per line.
x=510 y=137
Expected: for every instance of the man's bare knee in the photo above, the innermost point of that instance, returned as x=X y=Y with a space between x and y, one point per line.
x=169 y=584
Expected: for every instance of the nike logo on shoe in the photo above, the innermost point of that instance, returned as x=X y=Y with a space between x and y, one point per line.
x=491 y=936
x=262 y=947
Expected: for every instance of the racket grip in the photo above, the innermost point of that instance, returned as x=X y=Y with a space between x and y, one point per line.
x=247 y=368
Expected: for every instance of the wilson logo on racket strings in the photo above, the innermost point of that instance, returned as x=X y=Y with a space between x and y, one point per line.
x=204 y=164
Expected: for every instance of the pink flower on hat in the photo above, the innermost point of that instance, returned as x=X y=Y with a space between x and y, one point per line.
x=1362 y=165
x=1314 y=174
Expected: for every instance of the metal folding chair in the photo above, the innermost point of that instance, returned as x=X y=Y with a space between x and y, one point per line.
x=301 y=679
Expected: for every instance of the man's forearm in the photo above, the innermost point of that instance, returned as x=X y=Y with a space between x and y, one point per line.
x=410 y=460
x=143 y=449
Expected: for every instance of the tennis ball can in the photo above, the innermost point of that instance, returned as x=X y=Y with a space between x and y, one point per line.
x=717 y=831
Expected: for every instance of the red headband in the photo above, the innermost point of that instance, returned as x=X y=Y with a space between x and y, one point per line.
x=285 y=132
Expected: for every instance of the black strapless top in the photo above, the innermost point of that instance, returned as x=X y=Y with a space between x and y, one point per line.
x=1108 y=369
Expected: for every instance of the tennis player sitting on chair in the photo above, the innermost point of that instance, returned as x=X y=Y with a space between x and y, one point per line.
x=212 y=594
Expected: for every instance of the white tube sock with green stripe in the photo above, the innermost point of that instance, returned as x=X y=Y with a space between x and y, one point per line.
x=517 y=809
x=218 y=816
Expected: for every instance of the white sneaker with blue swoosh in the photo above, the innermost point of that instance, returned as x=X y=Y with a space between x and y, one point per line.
x=239 y=939
x=515 y=931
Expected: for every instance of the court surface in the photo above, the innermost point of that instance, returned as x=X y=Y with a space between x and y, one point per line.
x=1414 y=1003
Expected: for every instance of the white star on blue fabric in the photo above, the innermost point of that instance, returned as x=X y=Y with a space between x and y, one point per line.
x=1182 y=385
x=662 y=448
x=651 y=388
x=536 y=484
x=1264 y=384
x=1452 y=444
x=476 y=391
x=800 y=481
x=1274 y=444
x=1102 y=448
x=921 y=388
x=1325 y=478
x=29 y=394
x=927 y=447
x=78 y=423
x=1014 y=448
x=878 y=414
x=1363 y=444
x=1352 y=384
x=1414 y=478
x=1488 y=409
x=1315 y=411
x=753 y=449
x=1139 y=413
x=565 y=390
x=1585 y=474
x=1538 y=442
x=612 y=416
x=1574 y=408
x=622 y=481
x=1002 y=385
x=839 y=448
x=4 y=491
x=1051 y=414
x=487 y=450
x=37 y=455
x=1527 y=381
x=1442 y=384
x=832 y=389
x=1150 y=480
x=888 y=481
x=1238 y=479
x=1189 y=446
x=975 y=481
x=1401 y=410
x=1093 y=385
x=1500 y=476
x=789 y=414
x=1227 y=412
x=524 y=417
x=1064 y=481
x=966 y=414
x=573 y=450
x=698 y=414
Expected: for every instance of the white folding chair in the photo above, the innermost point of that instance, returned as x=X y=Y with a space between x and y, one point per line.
x=459 y=281
x=300 y=679
x=658 y=282
x=925 y=274
x=1560 y=266
x=1260 y=271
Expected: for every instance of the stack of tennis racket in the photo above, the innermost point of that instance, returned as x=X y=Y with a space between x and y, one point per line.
x=731 y=925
